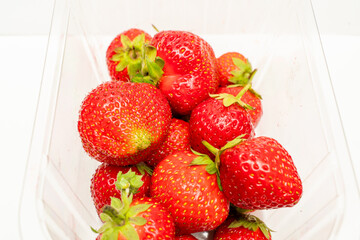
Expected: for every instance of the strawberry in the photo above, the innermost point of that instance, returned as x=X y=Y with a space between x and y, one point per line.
x=249 y=98
x=125 y=49
x=217 y=124
x=121 y=123
x=185 y=237
x=259 y=174
x=232 y=68
x=103 y=183
x=138 y=219
x=189 y=192
x=178 y=139
x=246 y=227
x=189 y=71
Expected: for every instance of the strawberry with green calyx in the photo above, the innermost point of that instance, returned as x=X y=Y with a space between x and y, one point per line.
x=234 y=66
x=140 y=219
x=131 y=58
x=242 y=95
x=125 y=49
x=105 y=181
x=248 y=98
x=217 y=122
x=243 y=227
x=190 y=193
x=212 y=167
x=260 y=174
x=229 y=99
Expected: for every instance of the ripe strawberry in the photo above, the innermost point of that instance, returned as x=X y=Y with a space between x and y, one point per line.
x=249 y=98
x=185 y=237
x=259 y=174
x=140 y=219
x=189 y=192
x=244 y=228
x=121 y=123
x=232 y=71
x=189 y=70
x=103 y=183
x=178 y=139
x=213 y=122
x=125 y=49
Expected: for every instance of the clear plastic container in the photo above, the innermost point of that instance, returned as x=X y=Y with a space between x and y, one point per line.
x=281 y=40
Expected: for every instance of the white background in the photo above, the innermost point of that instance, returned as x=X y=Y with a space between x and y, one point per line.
x=24 y=26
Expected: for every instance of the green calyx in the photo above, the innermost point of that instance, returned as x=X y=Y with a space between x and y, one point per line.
x=242 y=74
x=252 y=223
x=212 y=167
x=143 y=167
x=119 y=217
x=129 y=182
x=140 y=60
x=229 y=99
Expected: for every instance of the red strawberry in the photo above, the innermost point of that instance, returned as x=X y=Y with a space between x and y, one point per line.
x=213 y=122
x=249 y=98
x=259 y=174
x=232 y=71
x=189 y=70
x=121 y=123
x=189 y=192
x=140 y=219
x=185 y=237
x=178 y=139
x=123 y=50
x=244 y=228
x=103 y=184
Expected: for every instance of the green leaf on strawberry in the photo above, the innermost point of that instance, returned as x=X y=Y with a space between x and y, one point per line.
x=130 y=181
x=252 y=223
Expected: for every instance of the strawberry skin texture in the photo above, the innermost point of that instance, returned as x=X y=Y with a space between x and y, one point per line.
x=223 y=232
x=260 y=174
x=185 y=237
x=121 y=123
x=103 y=184
x=159 y=225
x=190 y=69
x=178 y=139
x=116 y=43
x=248 y=98
x=213 y=122
x=189 y=193
x=225 y=65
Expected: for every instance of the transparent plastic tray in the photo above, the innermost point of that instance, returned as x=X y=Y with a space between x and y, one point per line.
x=281 y=40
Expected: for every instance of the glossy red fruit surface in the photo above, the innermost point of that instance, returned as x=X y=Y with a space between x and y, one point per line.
x=190 y=193
x=260 y=174
x=213 y=122
x=121 y=123
x=190 y=69
x=111 y=51
x=178 y=139
x=103 y=184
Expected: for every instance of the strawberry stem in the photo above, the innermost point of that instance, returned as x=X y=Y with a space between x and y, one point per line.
x=156 y=29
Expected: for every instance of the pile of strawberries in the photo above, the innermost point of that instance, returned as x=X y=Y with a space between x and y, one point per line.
x=174 y=130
